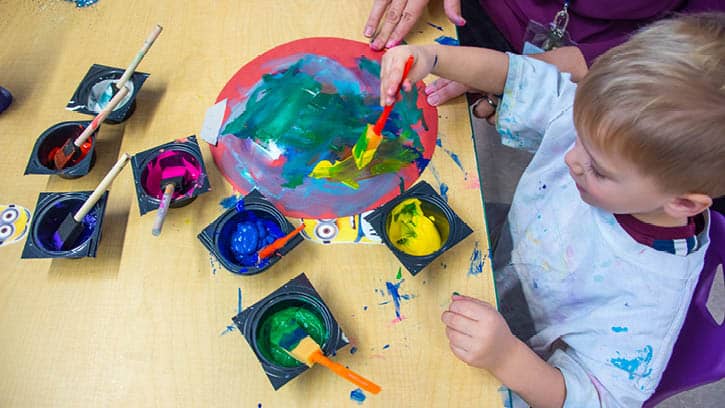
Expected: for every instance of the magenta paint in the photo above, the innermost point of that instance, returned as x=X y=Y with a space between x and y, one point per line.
x=151 y=175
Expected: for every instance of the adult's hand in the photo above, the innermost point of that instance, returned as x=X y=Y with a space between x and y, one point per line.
x=398 y=18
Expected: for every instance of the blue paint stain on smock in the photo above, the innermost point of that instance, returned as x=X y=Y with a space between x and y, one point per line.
x=636 y=367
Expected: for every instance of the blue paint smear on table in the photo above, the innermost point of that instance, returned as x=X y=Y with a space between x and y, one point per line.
x=83 y=3
x=454 y=157
x=445 y=40
x=230 y=201
x=442 y=187
x=440 y=28
x=357 y=395
x=353 y=350
x=230 y=328
x=387 y=346
x=476 y=266
x=393 y=290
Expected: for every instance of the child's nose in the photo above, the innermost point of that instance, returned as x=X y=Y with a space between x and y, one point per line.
x=574 y=164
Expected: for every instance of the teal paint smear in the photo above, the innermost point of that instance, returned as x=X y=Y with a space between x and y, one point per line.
x=312 y=113
x=638 y=366
x=230 y=328
x=618 y=329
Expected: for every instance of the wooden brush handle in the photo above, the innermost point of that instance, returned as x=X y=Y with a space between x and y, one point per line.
x=102 y=115
x=380 y=124
x=139 y=56
x=98 y=192
x=345 y=373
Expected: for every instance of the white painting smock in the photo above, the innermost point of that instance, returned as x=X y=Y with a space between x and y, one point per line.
x=606 y=310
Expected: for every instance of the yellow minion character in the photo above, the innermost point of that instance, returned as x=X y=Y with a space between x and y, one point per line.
x=14 y=223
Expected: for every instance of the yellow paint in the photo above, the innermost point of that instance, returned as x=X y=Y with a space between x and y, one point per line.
x=411 y=231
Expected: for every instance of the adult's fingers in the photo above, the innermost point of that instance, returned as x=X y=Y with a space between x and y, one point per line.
x=390 y=20
x=443 y=90
x=376 y=12
x=453 y=11
x=410 y=14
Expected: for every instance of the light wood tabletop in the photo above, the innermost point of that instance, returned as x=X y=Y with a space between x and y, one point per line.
x=146 y=322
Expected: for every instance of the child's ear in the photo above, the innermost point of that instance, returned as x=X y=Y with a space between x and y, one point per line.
x=688 y=205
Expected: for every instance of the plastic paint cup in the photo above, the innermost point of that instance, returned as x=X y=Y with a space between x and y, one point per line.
x=147 y=171
x=52 y=139
x=451 y=228
x=217 y=237
x=89 y=97
x=51 y=210
x=297 y=293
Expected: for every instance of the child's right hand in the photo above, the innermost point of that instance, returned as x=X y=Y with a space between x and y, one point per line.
x=391 y=69
x=477 y=332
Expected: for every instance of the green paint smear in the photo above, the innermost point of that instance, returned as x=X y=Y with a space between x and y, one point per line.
x=300 y=114
x=283 y=322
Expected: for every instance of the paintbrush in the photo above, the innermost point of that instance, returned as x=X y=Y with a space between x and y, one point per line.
x=278 y=243
x=72 y=148
x=298 y=344
x=368 y=142
x=72 y=226
x=172 y=179
x=115 y=86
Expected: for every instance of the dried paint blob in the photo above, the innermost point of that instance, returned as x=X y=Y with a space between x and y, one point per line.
x=412 y=230
x=50 y=221
x=293 y=116
x=170 y=160
x=280 y=323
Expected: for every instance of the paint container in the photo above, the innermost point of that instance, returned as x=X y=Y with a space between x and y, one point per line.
x=50 y=211
x=147 y=173
x=217 y=236
x=297 y=293
x=451 y=228
x=41 y=158
x=91 y=88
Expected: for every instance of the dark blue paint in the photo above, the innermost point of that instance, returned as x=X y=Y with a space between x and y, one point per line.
x=445 y=40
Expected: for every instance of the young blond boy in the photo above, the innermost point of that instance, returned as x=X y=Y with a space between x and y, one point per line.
x=609 y=222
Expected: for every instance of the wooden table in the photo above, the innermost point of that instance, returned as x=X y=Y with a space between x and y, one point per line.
x=141 y=324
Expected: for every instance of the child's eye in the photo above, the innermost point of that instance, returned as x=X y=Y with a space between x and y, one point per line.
x=598 y=174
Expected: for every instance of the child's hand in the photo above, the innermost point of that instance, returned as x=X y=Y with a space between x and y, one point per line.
x=477 y=333
x=391 y=70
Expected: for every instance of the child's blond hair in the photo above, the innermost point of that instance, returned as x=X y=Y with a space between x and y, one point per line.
x=658 y=100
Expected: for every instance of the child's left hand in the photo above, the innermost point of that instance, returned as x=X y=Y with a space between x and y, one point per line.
x=477 y=333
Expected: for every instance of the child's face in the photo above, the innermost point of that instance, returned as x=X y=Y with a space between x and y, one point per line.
x=612 y=183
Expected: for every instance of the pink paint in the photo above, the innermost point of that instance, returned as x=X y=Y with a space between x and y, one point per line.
x=151 y=177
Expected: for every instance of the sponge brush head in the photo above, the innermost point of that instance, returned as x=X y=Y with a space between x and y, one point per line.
x=300 y=345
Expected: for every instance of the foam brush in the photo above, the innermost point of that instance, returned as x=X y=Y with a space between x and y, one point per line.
x=72 y=226
x=368 y=142
x=278 y=243
x=298 y=344
x=72 y=147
